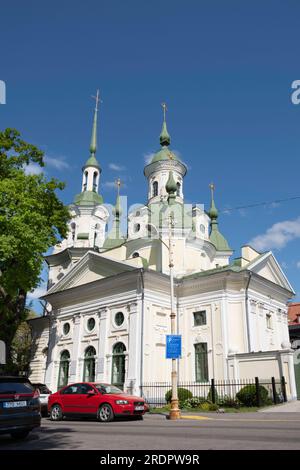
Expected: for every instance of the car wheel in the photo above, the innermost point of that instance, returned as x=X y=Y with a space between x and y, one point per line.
x=56 y=413
x=105 y=413
x=19 y=434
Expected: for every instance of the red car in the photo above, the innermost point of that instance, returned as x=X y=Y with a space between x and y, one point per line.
x=100 y=400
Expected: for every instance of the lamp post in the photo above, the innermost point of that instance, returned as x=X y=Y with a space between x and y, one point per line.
x=171 y=190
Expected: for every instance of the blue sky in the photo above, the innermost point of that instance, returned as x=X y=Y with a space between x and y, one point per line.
x=225 y=70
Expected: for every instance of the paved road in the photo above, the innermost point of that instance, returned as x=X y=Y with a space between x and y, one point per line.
x=208 y=431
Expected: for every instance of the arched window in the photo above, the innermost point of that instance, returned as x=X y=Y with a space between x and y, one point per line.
x=85 y=181
x=95 y=181
x=63 y=374
x=118 y=365
x=178 y=189
x=89 y=364
x=155 y=188
x=73 y=230
x=201 y=362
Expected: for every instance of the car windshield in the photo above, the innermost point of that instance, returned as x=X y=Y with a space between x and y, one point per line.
x=15 y=387
x=108 y=389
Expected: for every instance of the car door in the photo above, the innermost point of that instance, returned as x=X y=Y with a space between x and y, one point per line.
x=69 y=399
x=88 y=403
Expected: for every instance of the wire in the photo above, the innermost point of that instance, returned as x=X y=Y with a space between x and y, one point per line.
x=258 y=204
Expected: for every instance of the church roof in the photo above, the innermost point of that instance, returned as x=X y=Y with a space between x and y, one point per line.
x=87 y=198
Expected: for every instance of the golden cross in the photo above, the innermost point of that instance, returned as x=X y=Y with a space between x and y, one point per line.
x=118 y=183
x=97 y=99
x=164 y=106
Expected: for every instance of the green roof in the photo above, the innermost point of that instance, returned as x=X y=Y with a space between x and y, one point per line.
x=92 y=161
x=87 y=198
x=82 y=236
x=217 y=239
x=164 y=154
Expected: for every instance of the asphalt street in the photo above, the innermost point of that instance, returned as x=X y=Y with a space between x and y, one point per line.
x=206 y=431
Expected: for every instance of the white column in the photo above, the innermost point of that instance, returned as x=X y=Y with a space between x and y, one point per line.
x=74 y=365
x=49 y=373
x=134 y=350
x=102 y=373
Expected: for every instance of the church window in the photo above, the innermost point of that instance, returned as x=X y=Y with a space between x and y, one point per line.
x=136 y=254
x=119 y=318
x=85 y=181
x=91 y=324
x=63 y=374
x=66 y=328
x=202 y=228
x=137 y=213
x=155 y=188
x=118 y=365
x=89 y=364
x=269 y=321
x=137 y=227
x=95 y=181
x=178 y=189
x=73 y=230
x=201 y=362
x=200 y=318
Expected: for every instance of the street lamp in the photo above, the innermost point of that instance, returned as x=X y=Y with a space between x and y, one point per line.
x=171 y=190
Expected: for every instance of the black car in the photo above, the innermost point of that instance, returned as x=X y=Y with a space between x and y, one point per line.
x=20 y=409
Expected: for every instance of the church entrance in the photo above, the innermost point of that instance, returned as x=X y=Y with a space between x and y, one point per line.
x=63 y=374
x=89 y=364
x=118 y=365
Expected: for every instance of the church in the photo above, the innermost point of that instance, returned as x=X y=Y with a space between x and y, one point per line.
x=108 y=298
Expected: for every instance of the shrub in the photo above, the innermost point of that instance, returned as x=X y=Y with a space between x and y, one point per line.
x=183 y=395
x=209 y=406
x=194 y=402
x=247 y=395
x=229 y=402
x=209 y=395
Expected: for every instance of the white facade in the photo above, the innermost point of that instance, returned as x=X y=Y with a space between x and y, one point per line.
x=109 y=309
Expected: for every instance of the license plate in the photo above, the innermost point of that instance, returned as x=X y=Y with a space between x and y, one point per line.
x=139 y=408
x=14 y=404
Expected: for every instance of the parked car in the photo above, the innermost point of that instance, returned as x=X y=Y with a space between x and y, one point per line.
x=103 y=401
x=20 y=409
x=44 y=396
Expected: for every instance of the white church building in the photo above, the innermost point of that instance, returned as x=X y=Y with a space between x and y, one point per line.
x=108 y=298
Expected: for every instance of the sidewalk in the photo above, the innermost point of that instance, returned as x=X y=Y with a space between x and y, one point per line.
x=291 y=407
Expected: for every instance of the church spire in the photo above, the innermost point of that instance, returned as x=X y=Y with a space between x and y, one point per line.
x=164 y=137
x=216 y=238
x=92 y=161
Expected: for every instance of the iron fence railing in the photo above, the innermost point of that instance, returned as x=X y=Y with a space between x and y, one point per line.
x=217 y=391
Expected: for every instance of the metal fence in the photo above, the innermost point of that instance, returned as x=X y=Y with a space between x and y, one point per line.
x=220 y=392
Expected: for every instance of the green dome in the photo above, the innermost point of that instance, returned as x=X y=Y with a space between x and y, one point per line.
x=88 y=198
x=218 y=240
x=92 y=161
x=164 y=154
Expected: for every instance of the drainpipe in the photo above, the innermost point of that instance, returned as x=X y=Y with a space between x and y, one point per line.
x=247 y=310
x=142 y=330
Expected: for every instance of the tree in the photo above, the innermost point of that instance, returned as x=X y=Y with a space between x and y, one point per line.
x=21 y=347
x=32 y=219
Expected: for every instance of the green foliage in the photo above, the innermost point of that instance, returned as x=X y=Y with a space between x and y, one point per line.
x=183 y=395
x=229 y=402
x=32 y=219
x=207 y=406
x=209 y=395
x=247 y=395
x=194 y=402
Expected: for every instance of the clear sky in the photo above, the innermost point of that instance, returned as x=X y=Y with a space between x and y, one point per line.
x=224 y=68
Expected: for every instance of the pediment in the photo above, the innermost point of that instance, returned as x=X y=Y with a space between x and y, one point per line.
x=268 y=267
x=92 y=267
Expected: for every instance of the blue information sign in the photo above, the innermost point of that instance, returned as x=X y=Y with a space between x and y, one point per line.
x=173 y=347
